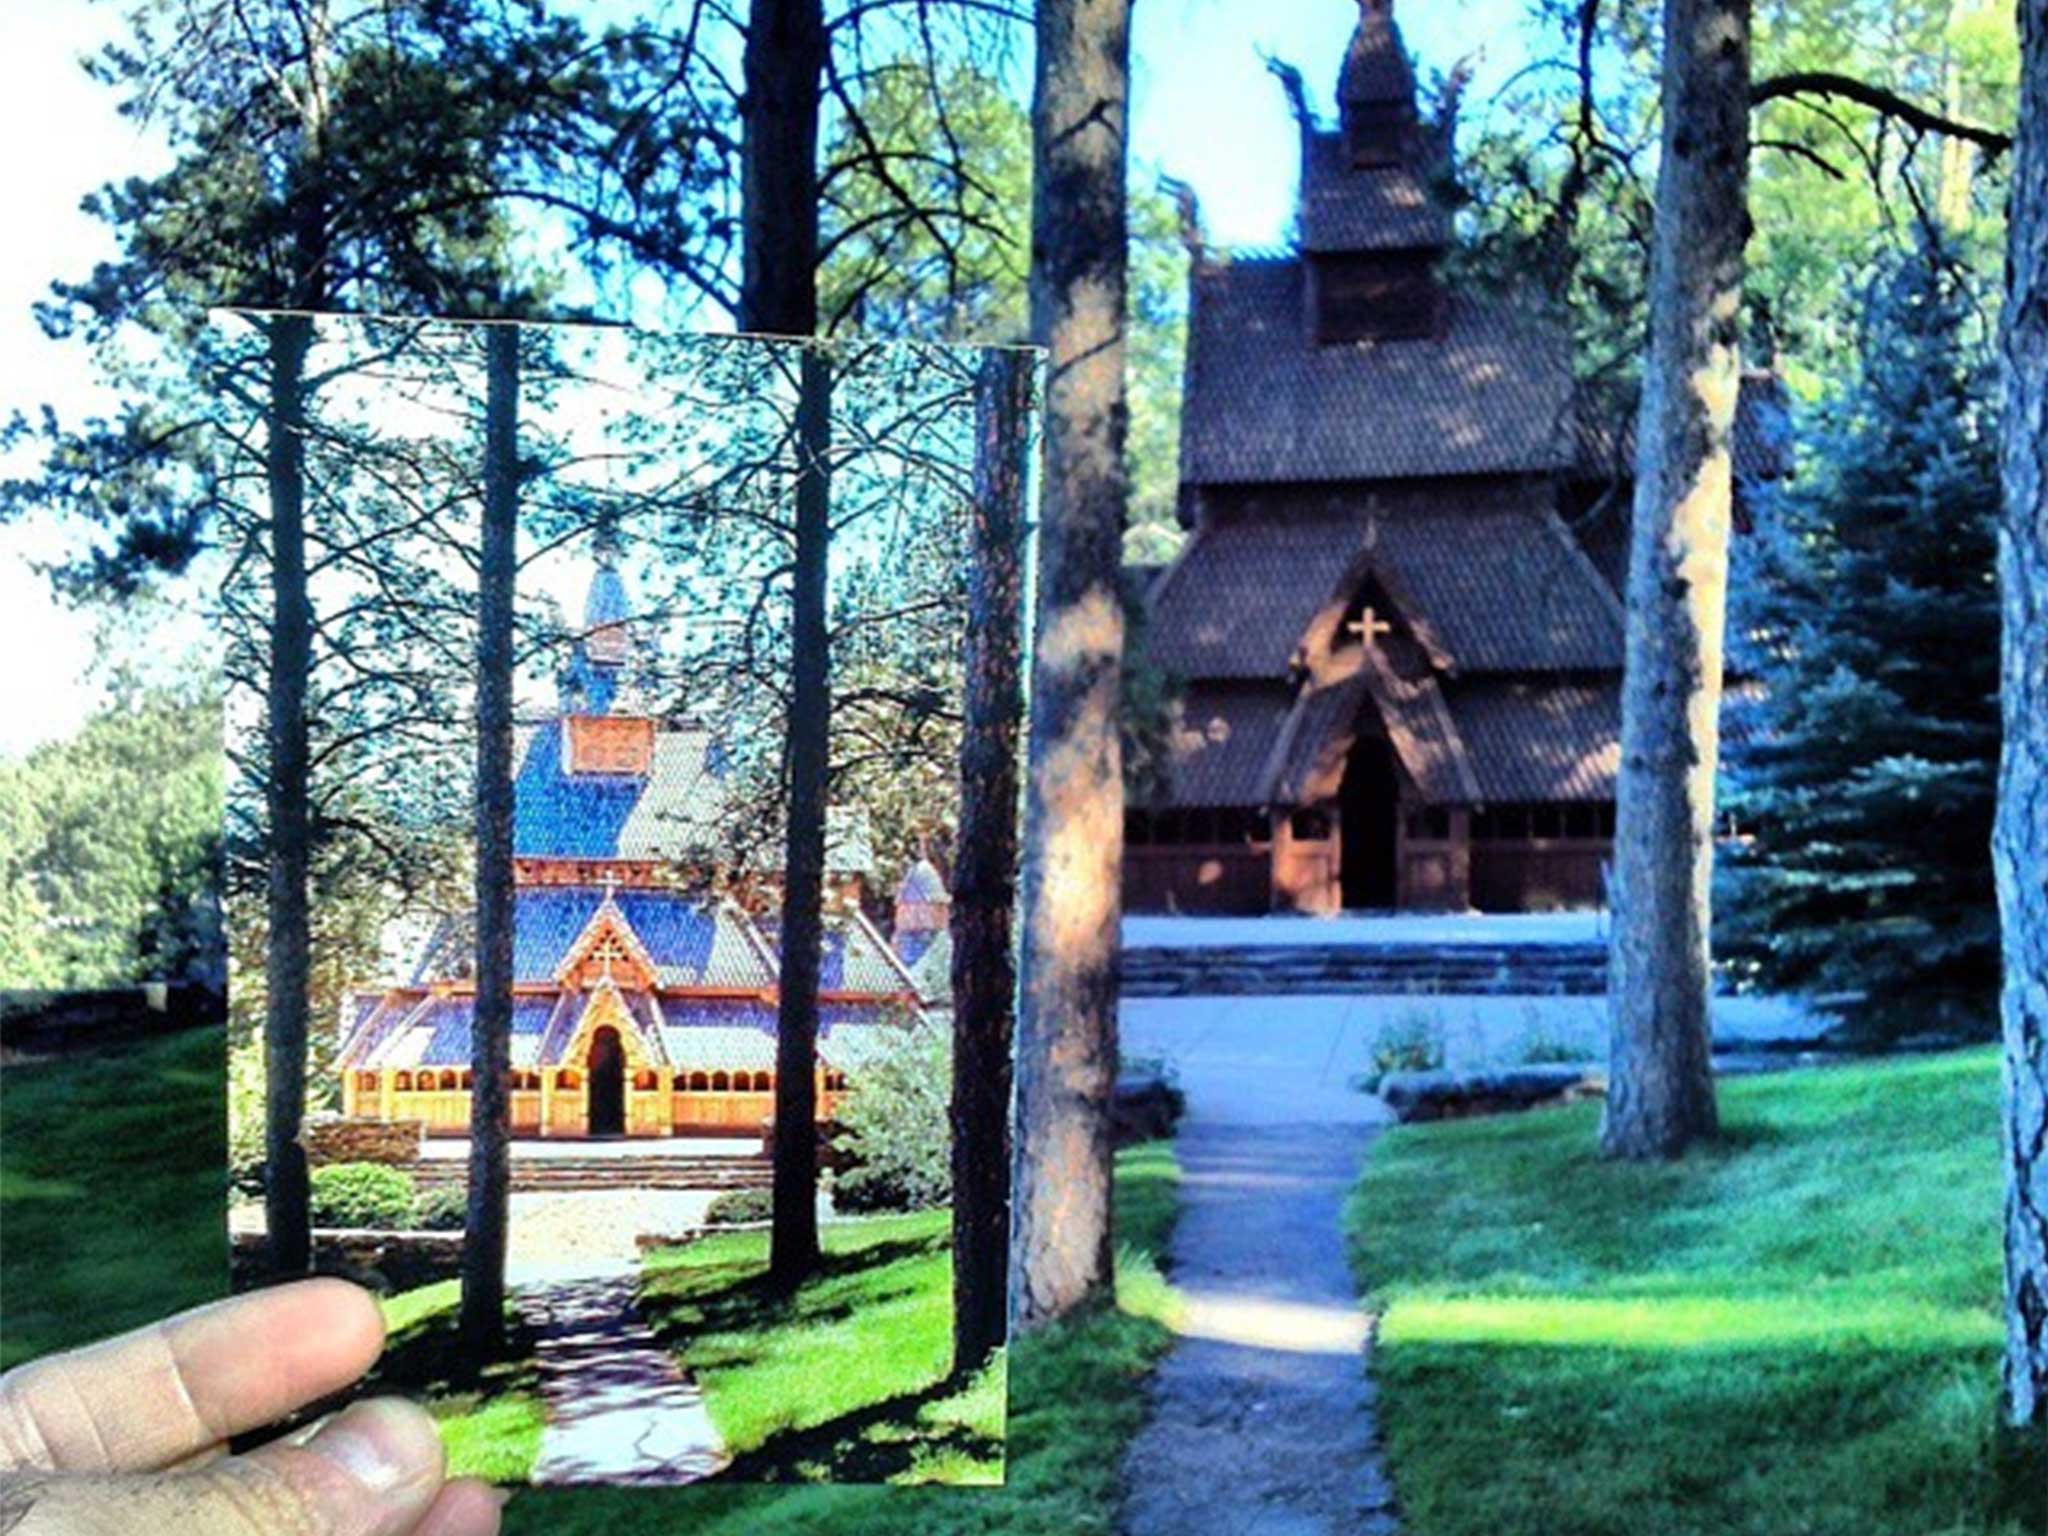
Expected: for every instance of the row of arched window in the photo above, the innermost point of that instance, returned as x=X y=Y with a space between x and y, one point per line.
x=449 y=1080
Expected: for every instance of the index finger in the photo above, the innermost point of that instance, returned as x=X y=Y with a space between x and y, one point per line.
x=146 y=1399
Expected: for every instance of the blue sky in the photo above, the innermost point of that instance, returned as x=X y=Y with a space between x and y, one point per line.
x=1203 y=109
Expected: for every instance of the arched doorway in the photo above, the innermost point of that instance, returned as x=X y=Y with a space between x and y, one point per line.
x=607 y=1084
x=1368 y=803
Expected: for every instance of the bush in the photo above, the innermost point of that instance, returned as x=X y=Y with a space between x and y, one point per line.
x=362 y=1195
x=738 y=1206
x=898 y=1138
x=444 y=1209
x=1409 y=1044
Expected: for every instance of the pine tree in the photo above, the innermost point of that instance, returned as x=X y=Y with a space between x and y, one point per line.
x=1864 y=784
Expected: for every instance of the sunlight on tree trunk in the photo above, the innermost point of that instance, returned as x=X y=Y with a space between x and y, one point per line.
x=2020 y=843
x=985 y=864
x=1661 y=1087
x=490 y=1110
x=1067 y=1050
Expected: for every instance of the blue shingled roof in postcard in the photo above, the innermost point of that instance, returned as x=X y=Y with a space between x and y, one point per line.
x=912 y=943
x=606 y=600
x=448 y=1046
x=831 y=957
x=557 y=816
x=545 y=922
x=530 y=1015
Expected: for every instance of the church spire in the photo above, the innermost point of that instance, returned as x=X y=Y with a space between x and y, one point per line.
x=1376 y=89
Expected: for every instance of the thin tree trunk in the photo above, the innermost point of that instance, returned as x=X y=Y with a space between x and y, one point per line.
x=785 y=65
x=1067 y=1050
x=287 y=970
x=490 y=1103
x=793 y=1253
x=2020 y=842
x=1661 y=1086
x=985 y=867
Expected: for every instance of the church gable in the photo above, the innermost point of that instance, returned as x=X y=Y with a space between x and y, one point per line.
x=606 y=950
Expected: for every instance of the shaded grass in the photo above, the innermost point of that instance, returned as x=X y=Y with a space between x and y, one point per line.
x=1076 y=1396
x=113 y=1190
x=490 y=1420
x=1794 y=1331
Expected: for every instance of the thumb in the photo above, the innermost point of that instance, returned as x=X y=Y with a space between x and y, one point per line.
x=372 y=1470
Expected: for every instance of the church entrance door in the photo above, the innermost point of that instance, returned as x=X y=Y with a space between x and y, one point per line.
x=1368 y=803
x=607 y=1084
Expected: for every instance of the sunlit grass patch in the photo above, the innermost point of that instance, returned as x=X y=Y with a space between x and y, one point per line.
x=1793 y=1331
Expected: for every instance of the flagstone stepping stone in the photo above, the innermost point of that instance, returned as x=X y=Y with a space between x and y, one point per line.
x=619 y=1410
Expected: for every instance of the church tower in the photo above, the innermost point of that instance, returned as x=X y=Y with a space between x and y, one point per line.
x=1373 y=222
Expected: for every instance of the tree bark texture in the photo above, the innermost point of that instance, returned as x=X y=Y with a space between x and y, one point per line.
x=490 y=1104
x=794 y=1245
x=2020 y=840
x=1660 y=1085
x=984 y=972
x=784 y=64
x=287 y=965
x=1067 y=1025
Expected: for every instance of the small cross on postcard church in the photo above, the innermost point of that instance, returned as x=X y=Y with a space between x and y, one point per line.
x=1395 y=635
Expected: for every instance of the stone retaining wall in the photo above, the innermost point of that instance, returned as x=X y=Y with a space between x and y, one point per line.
x=383 y=1261
x=339 y=1139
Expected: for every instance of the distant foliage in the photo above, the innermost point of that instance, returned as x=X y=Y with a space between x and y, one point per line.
x=897 y=1130
x=109 y=845
x=1863 y=782
x=363 y=1195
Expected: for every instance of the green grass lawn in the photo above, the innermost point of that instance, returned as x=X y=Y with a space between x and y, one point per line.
x=1794 y=1332
x=1075 y=1394
x=492 y=1425
x=113 y=1190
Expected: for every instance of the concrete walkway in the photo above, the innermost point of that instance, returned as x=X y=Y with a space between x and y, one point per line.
x=619 y=1411
x=1262 y=1416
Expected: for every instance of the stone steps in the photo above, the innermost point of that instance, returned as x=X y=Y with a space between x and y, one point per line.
x=1418 y=970
x=563 y=1175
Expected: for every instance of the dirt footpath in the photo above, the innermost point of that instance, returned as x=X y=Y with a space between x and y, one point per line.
x=1262 y=1417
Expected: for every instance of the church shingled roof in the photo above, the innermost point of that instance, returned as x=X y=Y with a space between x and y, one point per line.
x=1540 y=739
x=1366 y=208
x=1490 y=572
x=1491 y=395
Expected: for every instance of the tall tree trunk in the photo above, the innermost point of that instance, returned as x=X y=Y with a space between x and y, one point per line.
x=784 y=64
x=1067 y=1051
x=490 y=1103
x=793 y=1253
x=287 y=966
x=2020 y=842
x=1660 y=1094
x=985 y=867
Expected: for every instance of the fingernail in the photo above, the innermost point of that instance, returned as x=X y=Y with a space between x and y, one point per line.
x=384 y=1444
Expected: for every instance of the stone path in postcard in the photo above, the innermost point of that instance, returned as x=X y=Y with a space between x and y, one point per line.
x=618 y=1408
x=1262 y=1419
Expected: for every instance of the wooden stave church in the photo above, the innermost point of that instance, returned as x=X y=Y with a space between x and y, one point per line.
x=644 y=999
x=1397 y=612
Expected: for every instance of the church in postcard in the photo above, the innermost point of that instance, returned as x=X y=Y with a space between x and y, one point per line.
x=644 y=1000
x=1394 y=631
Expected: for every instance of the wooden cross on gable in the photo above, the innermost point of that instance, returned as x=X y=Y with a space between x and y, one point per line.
x=1368 y=627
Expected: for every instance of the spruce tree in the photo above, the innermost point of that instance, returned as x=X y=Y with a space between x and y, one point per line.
x=1862 y=780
